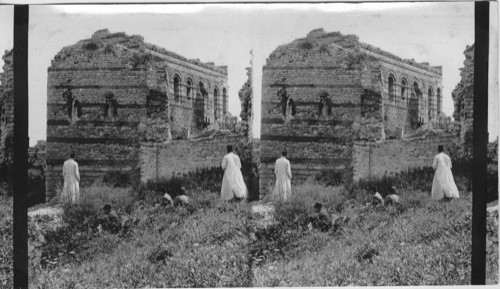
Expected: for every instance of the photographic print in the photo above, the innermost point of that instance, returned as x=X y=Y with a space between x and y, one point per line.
x=250 y=145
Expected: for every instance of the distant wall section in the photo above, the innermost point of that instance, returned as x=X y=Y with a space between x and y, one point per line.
x=375 y=159
x=159 y=160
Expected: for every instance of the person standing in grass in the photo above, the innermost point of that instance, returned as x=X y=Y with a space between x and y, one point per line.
x=443 y=185
x=233 y=185
x=283 y=187
x=71 y=189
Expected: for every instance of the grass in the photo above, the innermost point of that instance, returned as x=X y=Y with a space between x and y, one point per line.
x=201 y=246
x=6 y=272
x=421 y=243
x=207 y=244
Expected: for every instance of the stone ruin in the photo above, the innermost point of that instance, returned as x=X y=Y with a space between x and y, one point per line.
x=7 y=110
x=323 y=92
x=463 y=99
x=245 y=95
x=109 y=93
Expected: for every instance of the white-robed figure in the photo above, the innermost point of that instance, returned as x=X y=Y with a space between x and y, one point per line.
x=71 y=189
x=283 y=187
x=443 y=184
x=233 y=185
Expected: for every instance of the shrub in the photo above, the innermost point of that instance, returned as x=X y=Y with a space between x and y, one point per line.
x=138 y=59
x=6 y=230
x=306 y=45
x=330 y=178
x=201 y=179
x=118 y=179
x=324 y=49
x=91 y=46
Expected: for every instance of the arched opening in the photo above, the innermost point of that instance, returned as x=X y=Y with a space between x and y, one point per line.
x=392 y=89
x=416 y=89
x=430 y=100
x=177 y=88
x=77 y=109
x=201 y=87
x=404 y=84
x=189 y=90
x=216 y=103
x=111 y=105
x=224 y=101
x=438 y=96
x=68 y=98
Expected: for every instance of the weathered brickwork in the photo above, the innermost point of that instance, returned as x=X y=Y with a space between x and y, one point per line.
x=463 y=98
x=108 y=93
x=323 y=92
x=375 y=159
x=246 y=100
x=7 y=110
x=159 y=160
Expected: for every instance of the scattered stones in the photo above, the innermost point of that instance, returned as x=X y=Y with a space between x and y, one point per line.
x=377 y=199
x=167 y=200
x=393 y=200
x=263 y=216
x=182 y=201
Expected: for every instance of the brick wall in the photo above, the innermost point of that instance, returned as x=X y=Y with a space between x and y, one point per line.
x=7 y=109
x=159 y=160
x=463 y=98
x=340 y=93
x=391 y=156
x=314 y=140
x=108 y=93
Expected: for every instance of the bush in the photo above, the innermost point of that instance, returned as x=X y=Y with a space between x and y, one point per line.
x=139 y=59
x=6 y=230
x=91 y=46
x=201 y=179
x=330 y=178
x=291 y=220
x=415 y=179
x=118 y=179
x=306 y=45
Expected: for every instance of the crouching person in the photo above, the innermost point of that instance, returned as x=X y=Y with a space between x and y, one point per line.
x=376 y=197
x=320 y=219
x=393 y=198
x=109 y=219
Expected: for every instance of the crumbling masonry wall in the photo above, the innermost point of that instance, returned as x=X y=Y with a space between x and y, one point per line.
x=323 y=92
x=463 y=98
x=108 y=93
x=7 y=110
x=246 y=100
x=376 y=159
x=159 y=160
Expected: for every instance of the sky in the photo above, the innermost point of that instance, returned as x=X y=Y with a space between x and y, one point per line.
x=226 y=33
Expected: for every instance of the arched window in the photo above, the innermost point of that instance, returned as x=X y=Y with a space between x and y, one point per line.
x=438 y=96
x=68 y=98
x=216 y=103
x=77 y=110
x=430 y=100
x=392 y=90
x=404 y=84
x=416 y=89
x=203 y=92
x=189 y=86
x=111 y=105
x=177 y=88
x=224 y=101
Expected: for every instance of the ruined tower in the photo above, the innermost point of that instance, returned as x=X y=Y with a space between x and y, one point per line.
x=7 y=110
x=245 y=95
x=463 y=97
x=108 y=93
x=322 y=92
